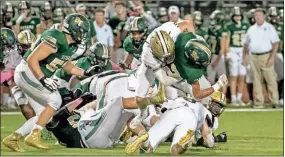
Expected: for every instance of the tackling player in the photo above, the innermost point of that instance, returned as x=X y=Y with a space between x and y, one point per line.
x=49 y=53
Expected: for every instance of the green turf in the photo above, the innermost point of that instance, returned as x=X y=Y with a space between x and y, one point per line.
x=249 y=133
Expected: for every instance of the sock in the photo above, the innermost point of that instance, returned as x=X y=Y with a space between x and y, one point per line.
x=234 y=98
x=239 y=96
x=36 y=126
x=27 y=127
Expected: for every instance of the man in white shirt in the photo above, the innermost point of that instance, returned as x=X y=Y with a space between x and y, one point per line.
x=262 y=41
x=174 y=13
x=104 y=32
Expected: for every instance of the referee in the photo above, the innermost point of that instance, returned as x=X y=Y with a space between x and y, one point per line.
x=262 y=41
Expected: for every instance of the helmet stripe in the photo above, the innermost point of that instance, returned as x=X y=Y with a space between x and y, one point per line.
x=105 y=54
x=163 y=44
x=203 y=47
x=135 y=23
x=28 y=36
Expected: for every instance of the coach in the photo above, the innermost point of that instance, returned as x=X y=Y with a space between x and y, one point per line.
x=262 y=41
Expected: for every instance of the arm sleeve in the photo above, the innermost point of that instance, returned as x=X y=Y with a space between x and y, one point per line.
x=145 y=79
x=164 y=78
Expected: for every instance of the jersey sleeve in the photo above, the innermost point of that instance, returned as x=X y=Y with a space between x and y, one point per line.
x=51 y=38
x=92 y=29
x=126 y=45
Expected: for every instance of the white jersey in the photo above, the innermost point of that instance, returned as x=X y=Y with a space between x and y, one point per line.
x=12 y=58
x=170 y=27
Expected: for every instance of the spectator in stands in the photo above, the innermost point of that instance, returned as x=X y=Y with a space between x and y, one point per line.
x=81 y=9
x=25 y=20
x=117 y=24
x=104 y=32
x=262 y=41
x=174 y=14
x=109 y=10
x=162 y=15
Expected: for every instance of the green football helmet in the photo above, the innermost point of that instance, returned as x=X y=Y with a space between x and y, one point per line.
x=99 y=54
x=24 y=5
x=197 y=18
x=46 y=10
x=140 y=25
x=77 y=26
x=8 y=38
x=217 y=17
x=198 y=53
x=59 y=14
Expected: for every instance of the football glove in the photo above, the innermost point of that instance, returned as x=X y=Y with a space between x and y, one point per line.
x=49 y=83
x=93 y=70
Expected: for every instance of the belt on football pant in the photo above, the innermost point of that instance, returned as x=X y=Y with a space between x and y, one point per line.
x=263 y=53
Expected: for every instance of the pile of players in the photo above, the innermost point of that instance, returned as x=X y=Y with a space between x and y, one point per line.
x=85 y=103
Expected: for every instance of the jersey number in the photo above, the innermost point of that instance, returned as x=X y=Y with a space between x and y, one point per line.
x=237 y=39
x=52 y=66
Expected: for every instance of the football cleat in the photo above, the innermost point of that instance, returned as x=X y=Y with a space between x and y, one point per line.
x=187 y=139
x=12 y=142
x=34 y=139
x=136 y=144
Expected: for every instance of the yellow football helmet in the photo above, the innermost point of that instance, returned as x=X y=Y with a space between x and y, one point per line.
x=218 y=103
x=162 y=47
x=25 y=39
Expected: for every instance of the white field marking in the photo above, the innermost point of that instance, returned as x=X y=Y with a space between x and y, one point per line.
x=227 y=110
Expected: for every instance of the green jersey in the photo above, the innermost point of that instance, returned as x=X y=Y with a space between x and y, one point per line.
x=54 y=61
x=30 y=25
x=132 y=48
x=215 y=38
x=280 y=31
x=237 y=34
x=201 y=32
x=91 y=33
x=83 y=63
x=187 y=72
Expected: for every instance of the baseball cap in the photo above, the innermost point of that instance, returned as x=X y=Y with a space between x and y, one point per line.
x=173 y=9
x=80 y=7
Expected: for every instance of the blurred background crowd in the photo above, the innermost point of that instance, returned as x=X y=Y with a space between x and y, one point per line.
x=110 y=23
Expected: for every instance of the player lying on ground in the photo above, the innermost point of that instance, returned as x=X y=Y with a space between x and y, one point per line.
x=107 y=122
x=184 y=118
x=50 y=52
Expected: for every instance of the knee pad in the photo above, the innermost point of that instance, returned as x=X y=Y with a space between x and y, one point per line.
x=19 y=96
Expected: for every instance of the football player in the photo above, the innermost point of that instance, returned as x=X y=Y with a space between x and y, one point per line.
x=33 y=75
x=59 y=15
x=192 y=117
x=25 y=40
x=134 y=42
x=198 y=21
x=99 y=56
x=7 y=14
x=237 y=30
x=25 y=20
x=217 y=43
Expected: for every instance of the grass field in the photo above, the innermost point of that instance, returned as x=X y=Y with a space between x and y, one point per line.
x=249 y=133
